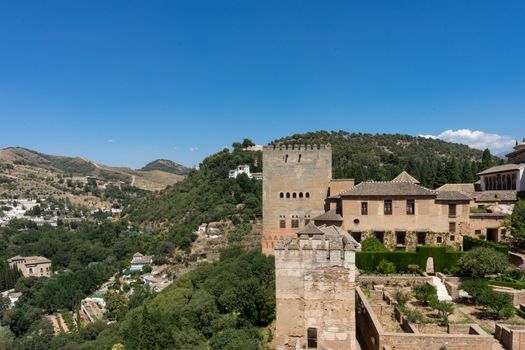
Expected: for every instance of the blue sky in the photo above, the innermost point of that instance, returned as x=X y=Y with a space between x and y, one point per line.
x=126 y=82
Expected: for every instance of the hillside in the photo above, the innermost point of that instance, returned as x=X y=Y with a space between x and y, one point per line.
x=383 y=156
x=167 y=166
x=206 y=195
x=30 y=170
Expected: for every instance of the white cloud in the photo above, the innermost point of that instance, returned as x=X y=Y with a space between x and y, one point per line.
x=475 y=139
x=111 y=140
x=194 y=149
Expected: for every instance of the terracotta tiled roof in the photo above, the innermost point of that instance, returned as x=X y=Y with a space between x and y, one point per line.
x=495 y=196
x=502 y=168
x=310 y=229
x=466 y=188
x=330 y=215
x=452 y=196
x=405 y=177
x=390 y=188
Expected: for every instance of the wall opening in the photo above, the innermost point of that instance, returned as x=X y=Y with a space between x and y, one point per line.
x=312 y=338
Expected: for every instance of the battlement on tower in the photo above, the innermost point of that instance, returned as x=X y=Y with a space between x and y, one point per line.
x=296 y=147
x=329 y=246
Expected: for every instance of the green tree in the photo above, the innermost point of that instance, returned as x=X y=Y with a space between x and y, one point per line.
x=444 y=309
x=385 y=267
x=6 y=338
x=117 y=306
x=481 y=262
x=247 y=143
x=425 y=293
x=476 y=288
x=516 y=221
x=453 y=172
x=486 y=159
x=497 y=302
x=372 y=244
x=147 y=339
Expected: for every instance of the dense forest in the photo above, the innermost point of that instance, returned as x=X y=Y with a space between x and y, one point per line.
x=381 y=157
x=206 y=194
x=220 y=306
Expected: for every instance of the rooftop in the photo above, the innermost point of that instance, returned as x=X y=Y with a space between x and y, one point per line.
x=502 y=168
x=330 y=215
x=405 y=177
x=466 y=188
x=387 y=188
x=452 y=196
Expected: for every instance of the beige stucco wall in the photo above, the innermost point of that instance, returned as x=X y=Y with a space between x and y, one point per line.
x=430 y=215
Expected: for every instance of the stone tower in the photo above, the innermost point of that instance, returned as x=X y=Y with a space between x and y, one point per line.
x=295 y=185
x=315 y=290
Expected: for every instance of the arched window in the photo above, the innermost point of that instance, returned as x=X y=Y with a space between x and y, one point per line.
x=299 y=159
x=287 y=194
x=300 y=194
x=281 y=195
x=286 y=158
x=307 y=194
x=294 y=195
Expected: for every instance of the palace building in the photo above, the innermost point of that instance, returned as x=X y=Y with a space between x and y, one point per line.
x=298 y=189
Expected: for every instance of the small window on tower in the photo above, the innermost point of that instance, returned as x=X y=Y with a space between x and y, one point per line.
x=295 y=223
x=281 y=195
x=307 y=194
x=312 y=338
x=286 y=159
x=282 y=223
x=287 y=194
x=299 y=159
x=294 y=195
x=300 y=194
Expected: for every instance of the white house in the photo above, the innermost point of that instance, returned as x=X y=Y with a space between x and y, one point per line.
x=139 y=260
x=241 y=169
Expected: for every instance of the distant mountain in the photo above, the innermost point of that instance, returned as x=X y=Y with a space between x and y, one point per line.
x=167 y=166
x=26 y=162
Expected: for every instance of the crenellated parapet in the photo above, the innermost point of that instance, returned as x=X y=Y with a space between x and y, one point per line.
x=319 y=252
x=296 y=147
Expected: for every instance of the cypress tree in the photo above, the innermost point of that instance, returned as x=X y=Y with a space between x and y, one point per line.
x=147 y=339
x=486 y=159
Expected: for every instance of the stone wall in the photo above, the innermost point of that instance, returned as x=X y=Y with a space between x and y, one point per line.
x=511 y=336
x=315 y=292
x=400 y=281
x=299 y=171
x=518 y=295
x=371 y=334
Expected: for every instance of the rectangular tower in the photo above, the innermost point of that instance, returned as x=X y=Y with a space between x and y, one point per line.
x=295 y=185
x=315 y=290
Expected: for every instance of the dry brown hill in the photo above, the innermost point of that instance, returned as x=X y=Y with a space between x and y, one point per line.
x=24 y=164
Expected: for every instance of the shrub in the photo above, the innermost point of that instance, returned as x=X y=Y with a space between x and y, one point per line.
x=372 y=244
x=385 y=267
x=425 y=293
x=413 y=315
x=401 y=298
x=482 y=261
x=444 y=257
x=495 y=301
x=414 y=268
x=471 y=243
x=507 y=312
x=476 y=288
